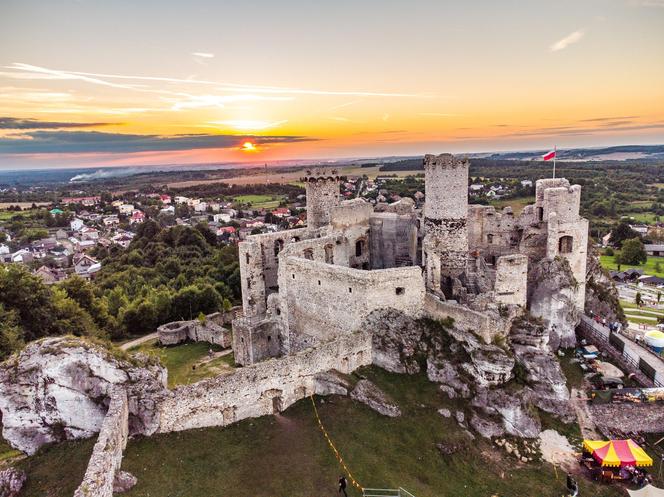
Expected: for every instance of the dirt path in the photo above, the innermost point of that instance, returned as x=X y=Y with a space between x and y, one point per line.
x=138 y=341
x=583 y=416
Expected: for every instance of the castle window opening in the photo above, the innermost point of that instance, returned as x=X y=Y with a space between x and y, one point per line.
x=318 y=282
x=309 y=254
x=400 y=290
x=278 y=312
x=359 y=248
x=350 y=290
x=278 y=247
x=329 y=254
x=489 y=238
x=293 y=275
x=565 y=244
x=269 y=338
x=246 y=255
x=248 y=283
x=540 y=213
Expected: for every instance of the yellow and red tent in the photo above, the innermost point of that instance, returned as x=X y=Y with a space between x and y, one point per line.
x=617 y=453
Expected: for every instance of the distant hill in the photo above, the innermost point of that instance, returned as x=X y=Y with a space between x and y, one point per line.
x=622 y=153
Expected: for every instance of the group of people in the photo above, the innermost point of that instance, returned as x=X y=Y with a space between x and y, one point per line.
x=614 y=326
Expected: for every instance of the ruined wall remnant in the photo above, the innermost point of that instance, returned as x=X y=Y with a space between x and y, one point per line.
x=210 y=330
x=321 y=301
x=445 y=244
x=106 y=456
x=322 y=195
x=394 y=237
x=267 y=387
x=511 y=285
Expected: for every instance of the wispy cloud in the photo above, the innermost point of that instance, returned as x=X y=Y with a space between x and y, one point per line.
x=568 y=40
x=16 y=123
x=19 y=70
x=203 y=55
x=250 y=125
x=49 y=142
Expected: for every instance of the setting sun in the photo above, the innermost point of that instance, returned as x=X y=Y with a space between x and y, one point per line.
x=249 y=147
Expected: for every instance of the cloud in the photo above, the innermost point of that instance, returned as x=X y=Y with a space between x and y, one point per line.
x=204 y=55
x=250 y=125
x=570 y=39
x=19 y=70
x=51 y=142
x=601 y=119
x=651 y=3
x=16 y=123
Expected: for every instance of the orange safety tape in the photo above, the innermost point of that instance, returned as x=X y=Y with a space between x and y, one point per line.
x=336 y=452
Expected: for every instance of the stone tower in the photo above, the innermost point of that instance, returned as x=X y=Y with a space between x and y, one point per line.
x=445 y=244
x=322 y=187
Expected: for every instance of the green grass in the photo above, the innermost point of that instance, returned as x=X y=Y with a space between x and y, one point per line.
x=57 y=470
x=6 y=451
x=179 y=360
x=287 y=455
x=608 y=262
x=517 y=204
x=7 y=215
x=260 y=201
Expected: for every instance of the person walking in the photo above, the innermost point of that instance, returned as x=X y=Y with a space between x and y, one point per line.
x=342 y=485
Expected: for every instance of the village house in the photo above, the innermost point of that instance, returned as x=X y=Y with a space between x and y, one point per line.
x=165 y=199
x=76 y=224
x=49 y=275
x=126 y=209
x=85 y=265
x=137 y=217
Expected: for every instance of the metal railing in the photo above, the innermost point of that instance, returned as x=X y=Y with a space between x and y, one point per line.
x=386 y=492
x=589 y=326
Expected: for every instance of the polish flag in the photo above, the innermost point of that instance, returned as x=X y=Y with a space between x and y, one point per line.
x=550 y=155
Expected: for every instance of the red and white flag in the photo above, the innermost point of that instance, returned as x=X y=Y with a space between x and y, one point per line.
x=550 y=155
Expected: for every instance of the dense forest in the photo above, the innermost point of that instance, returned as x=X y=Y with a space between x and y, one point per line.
x=165 y=274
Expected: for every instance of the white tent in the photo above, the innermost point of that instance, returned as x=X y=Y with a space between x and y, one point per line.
x=647 y=491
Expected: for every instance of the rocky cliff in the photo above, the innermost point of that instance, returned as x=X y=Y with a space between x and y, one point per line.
x=506 y=383
x=59 y=388
x=551 y=297
x=601 y=292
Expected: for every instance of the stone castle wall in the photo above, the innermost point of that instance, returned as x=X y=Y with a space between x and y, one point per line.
x=511 y=286
x=321 y=301
x=106 y=456
x=211 y=330
x=264 y=388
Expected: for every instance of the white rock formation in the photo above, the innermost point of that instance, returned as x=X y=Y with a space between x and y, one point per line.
x=58 y=389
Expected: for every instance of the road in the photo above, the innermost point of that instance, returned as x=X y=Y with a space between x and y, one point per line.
x=138 y=341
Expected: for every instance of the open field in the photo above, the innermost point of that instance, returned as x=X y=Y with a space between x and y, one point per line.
x=180 y=360
x=287 y=455
x=23 y=205
x=257 y=176
x=517 y=204
x=608 y=262
x=7 y=215
x=260 y=201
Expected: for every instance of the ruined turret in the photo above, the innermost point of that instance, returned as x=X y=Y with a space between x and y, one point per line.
x=445 y=244
x=322 y=187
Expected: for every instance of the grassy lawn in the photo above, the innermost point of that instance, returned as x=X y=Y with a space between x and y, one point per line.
x=608 y=262
x=260 y=201
x=643 y=217
x=7 y=215
x=517 y=204
x=288 y=456
x=180 y=359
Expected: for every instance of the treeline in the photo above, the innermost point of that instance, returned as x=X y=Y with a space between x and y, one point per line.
x=223 y=189
x=165 y=274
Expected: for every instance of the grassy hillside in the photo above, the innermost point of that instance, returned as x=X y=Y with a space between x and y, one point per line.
x=288 y=456
x=608 y=261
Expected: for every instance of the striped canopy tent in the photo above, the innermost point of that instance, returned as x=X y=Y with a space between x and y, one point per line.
x=617 y=453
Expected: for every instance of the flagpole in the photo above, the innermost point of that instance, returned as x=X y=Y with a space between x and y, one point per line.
x=554 y=162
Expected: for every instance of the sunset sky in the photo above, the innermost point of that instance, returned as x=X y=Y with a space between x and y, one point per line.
x=94 y=83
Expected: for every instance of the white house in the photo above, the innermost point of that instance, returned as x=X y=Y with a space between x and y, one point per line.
x=76 y=224
x=111 y=220
x=181 y=200
x=221 y=218
x=126 y=209
x=168 y=210
x=200 y=207
x=4 y=249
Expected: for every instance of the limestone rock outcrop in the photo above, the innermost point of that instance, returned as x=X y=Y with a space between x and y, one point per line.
x=372 y=396
x=59 y=389
x=551 y=296
x=11 y=482
x=123 y=482
x=331 y=383
x=601 y=292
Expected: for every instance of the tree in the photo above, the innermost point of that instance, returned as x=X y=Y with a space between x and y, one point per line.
x=620 y=233
x=637 y=299
x=11 y=336
x=633 y=252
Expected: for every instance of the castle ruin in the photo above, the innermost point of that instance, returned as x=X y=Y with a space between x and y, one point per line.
x=305 y=287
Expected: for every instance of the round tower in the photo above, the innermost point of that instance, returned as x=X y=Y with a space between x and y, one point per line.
x=445 y=243
x=322 y=187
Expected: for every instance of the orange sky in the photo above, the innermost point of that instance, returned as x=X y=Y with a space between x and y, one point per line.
x=101 y=83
